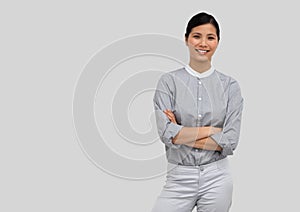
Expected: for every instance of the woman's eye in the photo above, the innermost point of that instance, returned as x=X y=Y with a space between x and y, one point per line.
x=211 y=38
x=196 y=36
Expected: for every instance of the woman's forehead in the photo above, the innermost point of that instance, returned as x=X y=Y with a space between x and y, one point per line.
x=204 y=28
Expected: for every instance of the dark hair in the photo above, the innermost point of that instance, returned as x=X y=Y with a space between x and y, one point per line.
x=200 y=19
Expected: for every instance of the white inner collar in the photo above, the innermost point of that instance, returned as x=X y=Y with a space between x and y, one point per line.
x=191 y=71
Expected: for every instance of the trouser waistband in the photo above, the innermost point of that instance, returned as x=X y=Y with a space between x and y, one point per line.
x=213 y=165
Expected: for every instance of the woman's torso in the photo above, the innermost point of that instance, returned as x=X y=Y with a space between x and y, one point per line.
x=198 y=100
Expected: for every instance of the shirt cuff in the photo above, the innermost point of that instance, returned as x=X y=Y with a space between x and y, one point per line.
x=171 y=131
x=221 y=140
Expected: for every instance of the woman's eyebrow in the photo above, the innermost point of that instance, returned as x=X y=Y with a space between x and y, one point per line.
x=198 y=33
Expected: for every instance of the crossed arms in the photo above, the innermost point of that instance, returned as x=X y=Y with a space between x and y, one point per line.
x=223 y=139
x=197 y=137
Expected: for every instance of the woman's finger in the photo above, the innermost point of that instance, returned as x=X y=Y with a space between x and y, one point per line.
x=170 y=115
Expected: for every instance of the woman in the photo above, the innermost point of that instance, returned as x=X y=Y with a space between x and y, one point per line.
x=198 y=114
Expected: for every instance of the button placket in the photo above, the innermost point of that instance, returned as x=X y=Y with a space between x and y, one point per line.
x=199 y=98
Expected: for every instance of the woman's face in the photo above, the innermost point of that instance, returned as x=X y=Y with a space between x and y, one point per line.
x=202 y=43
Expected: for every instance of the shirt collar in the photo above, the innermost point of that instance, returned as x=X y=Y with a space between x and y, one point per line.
x=207 y=73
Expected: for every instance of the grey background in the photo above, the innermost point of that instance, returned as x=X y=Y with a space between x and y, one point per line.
x=45 y=46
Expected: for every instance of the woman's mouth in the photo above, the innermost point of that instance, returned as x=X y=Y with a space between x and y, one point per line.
x=201 y=51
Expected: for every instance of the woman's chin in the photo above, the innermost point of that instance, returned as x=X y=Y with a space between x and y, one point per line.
x=202 y=59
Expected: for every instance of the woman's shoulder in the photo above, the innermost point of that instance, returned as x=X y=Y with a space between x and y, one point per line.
x=225 y=77
x=171 y=75
x=228 y=81
x=177 y=72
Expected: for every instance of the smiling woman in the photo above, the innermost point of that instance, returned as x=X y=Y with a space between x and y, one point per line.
x=202 y=38
x=202 y=43
x=198 y=113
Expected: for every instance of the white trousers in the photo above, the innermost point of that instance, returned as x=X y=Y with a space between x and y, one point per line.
x=207 y=187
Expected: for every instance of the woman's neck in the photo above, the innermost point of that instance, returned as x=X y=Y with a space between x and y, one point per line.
x=200 y=67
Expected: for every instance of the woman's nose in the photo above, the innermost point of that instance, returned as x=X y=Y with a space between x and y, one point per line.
x=202 y=42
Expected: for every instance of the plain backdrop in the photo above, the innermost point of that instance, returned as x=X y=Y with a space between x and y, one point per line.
x=44 y=47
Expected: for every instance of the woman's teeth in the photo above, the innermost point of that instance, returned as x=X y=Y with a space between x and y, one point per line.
x=201 y=51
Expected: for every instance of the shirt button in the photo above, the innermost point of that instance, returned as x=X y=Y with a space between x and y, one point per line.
x=199 y=98
x=201 y=168
x=199 y=115
x=196 y=150
x=199 y=82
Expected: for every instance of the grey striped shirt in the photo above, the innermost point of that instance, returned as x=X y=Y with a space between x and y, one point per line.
x=198 y=99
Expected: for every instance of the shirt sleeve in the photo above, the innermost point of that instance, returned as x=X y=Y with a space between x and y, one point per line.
x=164 y=99
x=228 y=138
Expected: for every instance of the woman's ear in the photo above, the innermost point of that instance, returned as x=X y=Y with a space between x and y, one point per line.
x=185 y=40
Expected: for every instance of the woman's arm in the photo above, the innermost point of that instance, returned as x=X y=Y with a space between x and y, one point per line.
x=197 y=137
x=228 y=138
x=205 y=143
